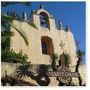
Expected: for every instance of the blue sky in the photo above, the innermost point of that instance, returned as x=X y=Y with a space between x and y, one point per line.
x=71 y=14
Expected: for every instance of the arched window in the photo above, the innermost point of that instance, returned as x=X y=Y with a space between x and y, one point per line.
x=47 y=45
x=44 y=20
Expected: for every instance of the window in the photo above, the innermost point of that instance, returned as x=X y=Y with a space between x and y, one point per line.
x=47 y=45
x=44 y=47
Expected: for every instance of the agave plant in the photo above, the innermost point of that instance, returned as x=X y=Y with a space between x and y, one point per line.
x=67 y=59
x=24 y=71
x=54 y=57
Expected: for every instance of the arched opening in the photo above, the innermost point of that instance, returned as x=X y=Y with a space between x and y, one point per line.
x=44 y=20
x=47 y=45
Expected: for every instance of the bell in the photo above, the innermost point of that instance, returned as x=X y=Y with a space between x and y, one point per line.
x=43 y=21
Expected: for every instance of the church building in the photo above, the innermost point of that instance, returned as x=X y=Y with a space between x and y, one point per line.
x=44 y=40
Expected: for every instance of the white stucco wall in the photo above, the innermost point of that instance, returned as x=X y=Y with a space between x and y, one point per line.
x=34 y=50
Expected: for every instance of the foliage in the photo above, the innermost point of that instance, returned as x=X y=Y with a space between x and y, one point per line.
x=80 y=53
x=10 y=16
x=23 y=70
x=13 y=14
x=42 y=69
x=42 y=74
x=4 y=4
x=12 y=56
x=67 y=58
x=32 y=24
x=12 y=81
x=7 y=33
x=5 y=39
x=9 y=19
x=54 y=56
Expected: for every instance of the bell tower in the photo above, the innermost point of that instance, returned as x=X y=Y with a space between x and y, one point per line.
x=41 y=18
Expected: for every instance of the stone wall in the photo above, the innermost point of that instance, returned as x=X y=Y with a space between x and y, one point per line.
x=9 y=67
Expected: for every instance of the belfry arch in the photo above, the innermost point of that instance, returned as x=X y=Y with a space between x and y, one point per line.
x=44 y=20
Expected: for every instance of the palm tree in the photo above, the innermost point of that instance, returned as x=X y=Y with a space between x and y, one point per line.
x=4 y=4
x=14 y=81
x=5 y=40
x=7 y=20
x=80 y=54
x=54 y=57
x=6 y=23
x=24 y=70
x=42 y=73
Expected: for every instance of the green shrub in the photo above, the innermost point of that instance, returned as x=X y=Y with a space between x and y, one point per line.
x=12 y=56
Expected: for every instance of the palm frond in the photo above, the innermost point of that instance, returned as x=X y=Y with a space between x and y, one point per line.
x=23 y=69
x=6 y=17
x=32 y=24
x=22 y=34
x=7 y=33
x=5 y=36
x=4 y=4
x=42 y=69
x=80 y=53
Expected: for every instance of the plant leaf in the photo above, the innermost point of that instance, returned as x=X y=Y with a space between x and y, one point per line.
x=4 y=4
x=22 y=34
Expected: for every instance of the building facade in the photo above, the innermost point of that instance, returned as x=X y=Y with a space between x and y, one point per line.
x=45 y=39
